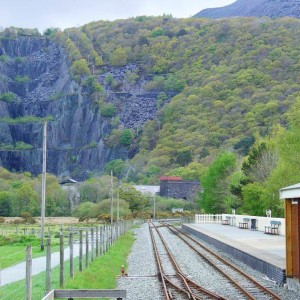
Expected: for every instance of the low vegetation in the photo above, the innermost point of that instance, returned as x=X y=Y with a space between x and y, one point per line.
x=101 y=274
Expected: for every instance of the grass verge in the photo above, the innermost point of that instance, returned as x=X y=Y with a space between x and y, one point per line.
x=101 y=274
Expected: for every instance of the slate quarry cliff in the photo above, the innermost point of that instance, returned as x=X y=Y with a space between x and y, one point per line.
x=254 y=8
x=37 y=73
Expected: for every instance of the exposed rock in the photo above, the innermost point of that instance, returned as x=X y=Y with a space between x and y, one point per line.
x=254 y=8
x=75 y=136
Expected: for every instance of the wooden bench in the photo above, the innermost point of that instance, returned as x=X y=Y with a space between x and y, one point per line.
x=244 y=224
x=273 y=228
x=226 y=221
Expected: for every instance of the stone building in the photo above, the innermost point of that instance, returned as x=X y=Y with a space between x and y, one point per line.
x=175 y=187
x=71 y=186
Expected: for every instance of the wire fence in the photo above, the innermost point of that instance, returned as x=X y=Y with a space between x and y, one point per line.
x=78 y=247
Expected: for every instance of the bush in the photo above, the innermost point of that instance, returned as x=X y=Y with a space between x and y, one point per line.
x=82 y=219
x=22 y=79
x=104 y=218
x=80 y=68
x=27 y=217
x=108 y=110
x=126 y=137
x=8 y=97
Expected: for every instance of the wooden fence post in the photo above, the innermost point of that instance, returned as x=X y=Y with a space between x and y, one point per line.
x=48 y=266
x=80 y=250
x=101 y=238
x=71 y=244
x=61 y=261
x=97 y=241
x=105 y=238
x=87 y=249
x=92 y=244
x=28 y=272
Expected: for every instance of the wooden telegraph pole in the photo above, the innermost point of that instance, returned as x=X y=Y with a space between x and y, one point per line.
x=111 y=198
x=43 y=185
x=118 y=202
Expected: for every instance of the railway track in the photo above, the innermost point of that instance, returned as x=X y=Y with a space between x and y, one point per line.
x=175 y=284
x=244 y=285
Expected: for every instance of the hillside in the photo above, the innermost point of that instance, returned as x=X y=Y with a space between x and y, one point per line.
x=156 y=93
x=254 y=8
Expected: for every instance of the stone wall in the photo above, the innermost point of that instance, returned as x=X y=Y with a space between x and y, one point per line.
x=186 y=190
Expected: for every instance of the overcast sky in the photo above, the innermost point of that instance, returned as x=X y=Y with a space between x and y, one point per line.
x=42 y=14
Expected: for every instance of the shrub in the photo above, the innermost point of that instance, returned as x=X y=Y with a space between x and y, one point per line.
x=80 y=68
x=126 y=137
x=8 y=97
x=22 y=79
x=104 y=217
x=108 y=110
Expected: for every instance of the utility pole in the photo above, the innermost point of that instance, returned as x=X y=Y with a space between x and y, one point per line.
x=118 y=202
x=111 y=197
x=43 y=185
x=154 y=208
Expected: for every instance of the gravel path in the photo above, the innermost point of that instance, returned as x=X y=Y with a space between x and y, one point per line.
x=142 y=282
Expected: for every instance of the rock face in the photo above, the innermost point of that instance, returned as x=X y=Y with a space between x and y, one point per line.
x=254 y=8
x=36 y=72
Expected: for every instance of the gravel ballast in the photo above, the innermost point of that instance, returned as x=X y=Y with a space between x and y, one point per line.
x=142 y=281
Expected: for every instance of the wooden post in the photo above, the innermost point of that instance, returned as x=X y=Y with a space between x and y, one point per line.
x=80 y=250
x=97 y=241
x=71 y=254
x=43 y=185
x=104 y=238
x=48 y=266
x=87 y=249
x=111 y=198
x=61 y=261
x=288 y=234
x=101 y=240
x=92 y=244
x=28 y=272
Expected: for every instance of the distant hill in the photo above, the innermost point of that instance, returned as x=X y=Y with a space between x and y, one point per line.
x=254 y=8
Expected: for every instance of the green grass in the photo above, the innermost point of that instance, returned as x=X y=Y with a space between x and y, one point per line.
x=13 y=248
x=101 y=274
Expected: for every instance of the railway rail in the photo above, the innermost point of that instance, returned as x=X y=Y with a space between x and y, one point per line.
x=175 y=284
x=246 y=285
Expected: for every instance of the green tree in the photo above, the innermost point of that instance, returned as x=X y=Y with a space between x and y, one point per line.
x=117 y=166
x=136 y=200
x=184 y=157
x=80 y=68
x=5 y=204
x=252 y=199
x=119 y=57
x=84 y=210
x=215 y=183
x=108 y=110
x=126 y=137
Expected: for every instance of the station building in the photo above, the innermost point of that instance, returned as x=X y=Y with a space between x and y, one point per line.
x=175 y=187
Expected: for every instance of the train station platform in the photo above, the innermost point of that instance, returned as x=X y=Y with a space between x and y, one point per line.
x=262 y=252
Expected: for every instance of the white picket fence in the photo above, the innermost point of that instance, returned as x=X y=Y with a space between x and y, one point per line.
x=208 y=218
x=234 y=220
